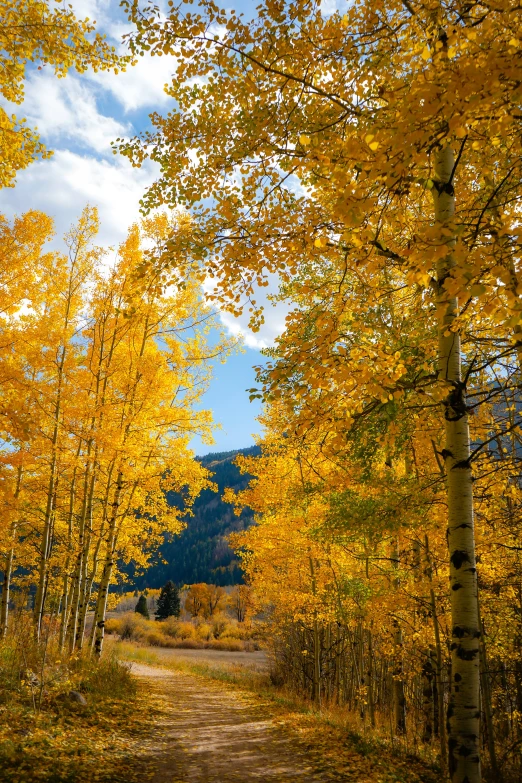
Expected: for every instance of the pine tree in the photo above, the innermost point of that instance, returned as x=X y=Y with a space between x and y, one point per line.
x=141 y=607
x=168 y=602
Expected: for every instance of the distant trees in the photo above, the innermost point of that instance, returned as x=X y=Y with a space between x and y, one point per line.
x=201 y=553
x=205 y=600
x=240 y=601
x=168 y=602
x=141 y=607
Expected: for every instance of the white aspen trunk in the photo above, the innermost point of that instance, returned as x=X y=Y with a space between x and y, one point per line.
x=88 y=593
x=371 y=705
x=66 y=592
x=6 y=587
x=39 y=599
x=316 y=692
x=8 y=567
x=399 y=697
x=103 y=590
x=464 y=707
x=80 y=559
x=83 y=597
x=440 y=722
x=85 y=582
x=45 y=556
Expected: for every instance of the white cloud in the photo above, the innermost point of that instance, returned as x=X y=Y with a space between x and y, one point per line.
x=63 y=185
x=329 y=7
x=274 y=326
x=142 y=85
x=64 y=110
x=104 y=12
x=68 y=118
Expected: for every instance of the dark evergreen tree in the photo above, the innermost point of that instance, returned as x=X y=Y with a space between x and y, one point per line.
x=168 y=602
x=141 y=607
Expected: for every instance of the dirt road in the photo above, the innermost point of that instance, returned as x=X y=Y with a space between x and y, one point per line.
x=212 y=735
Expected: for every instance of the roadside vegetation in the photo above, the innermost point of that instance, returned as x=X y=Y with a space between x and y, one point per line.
x=67 y=717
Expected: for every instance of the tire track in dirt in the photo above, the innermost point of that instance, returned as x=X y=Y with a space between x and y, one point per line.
x=212 y=735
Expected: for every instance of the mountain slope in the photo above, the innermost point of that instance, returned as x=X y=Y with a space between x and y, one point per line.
x=201 y=553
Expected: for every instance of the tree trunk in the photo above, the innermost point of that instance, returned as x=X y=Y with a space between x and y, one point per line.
x=440 y=718
x=371 y=702
x=464 y=711
x=488 y=713
x=399 y=698
x=103 y=590
x=39 y=599
x=8 y=567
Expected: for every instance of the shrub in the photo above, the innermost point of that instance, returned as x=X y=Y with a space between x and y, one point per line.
x=156 y=639
x=108 y=678
x=189 y=644
x=170 y=626
x=179 y=629
x=113 y=625
x=232 y=632
x=219 y=625
x=134 y=627
x=10 y=669
x=204 y=632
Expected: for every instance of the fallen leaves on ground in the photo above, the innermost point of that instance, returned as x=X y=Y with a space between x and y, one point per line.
x=76 y=744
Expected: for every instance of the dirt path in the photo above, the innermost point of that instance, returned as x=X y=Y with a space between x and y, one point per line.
x=212 y=735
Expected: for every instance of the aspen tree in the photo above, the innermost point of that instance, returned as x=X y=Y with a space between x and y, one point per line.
x=7 y=565
x=74 y=276
x=464 y=709
x=100 y=398
x=365 y=110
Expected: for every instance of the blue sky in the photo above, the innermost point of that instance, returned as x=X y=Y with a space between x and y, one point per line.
x=78 y=117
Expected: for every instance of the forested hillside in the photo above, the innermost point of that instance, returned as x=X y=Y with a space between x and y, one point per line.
x=201 y=553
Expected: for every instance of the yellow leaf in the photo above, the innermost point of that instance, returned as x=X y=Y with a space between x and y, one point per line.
x=374 y=145
x=478 y=289
x=426 y=53
x=304 y=140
